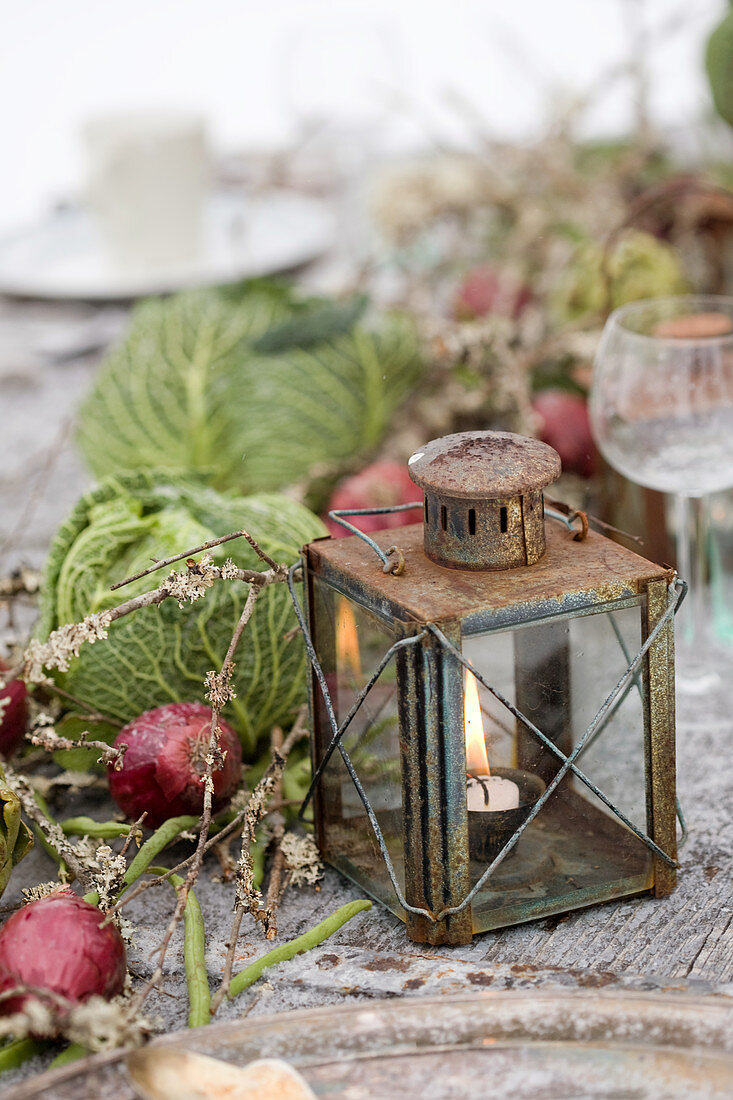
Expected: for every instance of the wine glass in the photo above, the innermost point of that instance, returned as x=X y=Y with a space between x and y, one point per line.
x=661 y=408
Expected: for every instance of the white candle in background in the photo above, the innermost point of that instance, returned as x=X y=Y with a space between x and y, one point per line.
x=147 y=181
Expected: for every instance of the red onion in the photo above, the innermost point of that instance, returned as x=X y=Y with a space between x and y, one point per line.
x=58 y=943
x=14 y=718
x=484 y=291
x=566 y=427
x=378 y=486
x=163 y=768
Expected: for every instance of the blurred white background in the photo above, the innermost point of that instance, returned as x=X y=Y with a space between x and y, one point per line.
x=389 y=69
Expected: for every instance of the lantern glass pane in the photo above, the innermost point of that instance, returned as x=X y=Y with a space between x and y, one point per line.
x=351 y=643
x=576 y=851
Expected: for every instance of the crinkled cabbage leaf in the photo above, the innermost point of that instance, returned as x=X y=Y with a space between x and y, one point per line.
x=161 y=654
x=254 y=389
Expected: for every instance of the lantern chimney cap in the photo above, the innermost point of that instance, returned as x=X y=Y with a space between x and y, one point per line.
x=484 y=465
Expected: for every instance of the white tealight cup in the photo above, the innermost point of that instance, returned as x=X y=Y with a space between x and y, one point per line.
x=147 y=178
x=491 y=793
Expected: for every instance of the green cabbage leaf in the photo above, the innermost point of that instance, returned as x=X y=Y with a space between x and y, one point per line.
x=159 y=655
x=253 y=389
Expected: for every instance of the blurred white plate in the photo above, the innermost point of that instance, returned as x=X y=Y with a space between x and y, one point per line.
x=61 y=257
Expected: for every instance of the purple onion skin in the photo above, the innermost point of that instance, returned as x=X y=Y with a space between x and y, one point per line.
x=57 y=943
x=162 y=770
x=15 y=717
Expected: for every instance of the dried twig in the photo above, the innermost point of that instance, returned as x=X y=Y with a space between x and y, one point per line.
x=248 y=898
x=277 y=866
x=65 y=643
x=47 y=738
x=135 y=833
x=224 y=833
x=179 y=557
x=276 y=885
x=260 y=552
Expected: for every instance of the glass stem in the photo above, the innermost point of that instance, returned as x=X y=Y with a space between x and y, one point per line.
x=692 y=525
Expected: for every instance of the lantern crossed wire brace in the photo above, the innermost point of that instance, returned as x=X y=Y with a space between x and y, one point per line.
x=677 y=593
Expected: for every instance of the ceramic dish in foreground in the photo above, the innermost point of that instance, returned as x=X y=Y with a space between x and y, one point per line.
x=555 y=1045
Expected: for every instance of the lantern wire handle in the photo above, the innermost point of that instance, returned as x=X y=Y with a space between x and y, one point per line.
x=397 y=567
x=388 y=566
x=568 y=520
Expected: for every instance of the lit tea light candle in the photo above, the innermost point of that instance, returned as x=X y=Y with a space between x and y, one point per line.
x=485 y=792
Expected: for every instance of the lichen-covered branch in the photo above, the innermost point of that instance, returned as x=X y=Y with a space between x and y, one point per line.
x=45 y=736
x=218 y=693
x=186 y=585
x=248 y=897
x=50 y=829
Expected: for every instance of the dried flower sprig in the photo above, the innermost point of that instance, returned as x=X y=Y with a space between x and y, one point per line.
x=96 y=1024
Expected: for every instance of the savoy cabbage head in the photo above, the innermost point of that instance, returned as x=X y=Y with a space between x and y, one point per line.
x=158 y=655
x=252 y=388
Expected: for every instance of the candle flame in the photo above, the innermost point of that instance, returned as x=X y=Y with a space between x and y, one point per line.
x=477 y=762
x=347 y=642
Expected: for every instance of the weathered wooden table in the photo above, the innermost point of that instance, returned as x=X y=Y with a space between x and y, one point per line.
x=684 y=942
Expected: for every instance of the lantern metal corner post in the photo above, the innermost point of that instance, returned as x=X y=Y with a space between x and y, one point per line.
x=659 y=731
x=433 y=837
x=434 y=790
x=569 y=647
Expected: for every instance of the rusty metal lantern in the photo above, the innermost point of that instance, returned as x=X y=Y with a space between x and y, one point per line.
x=492 y=703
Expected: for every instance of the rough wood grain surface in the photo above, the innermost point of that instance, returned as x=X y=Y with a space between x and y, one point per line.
x=670 y=943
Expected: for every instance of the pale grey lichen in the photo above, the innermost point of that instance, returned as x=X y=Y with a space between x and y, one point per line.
x=63 y=644
x=42 y=890
x=107 y=871
x=302 y=859
x=229 y=571
x=190 y=584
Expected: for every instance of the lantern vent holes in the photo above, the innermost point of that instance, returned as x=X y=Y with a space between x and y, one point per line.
x=425 y=509
x=483 y=499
